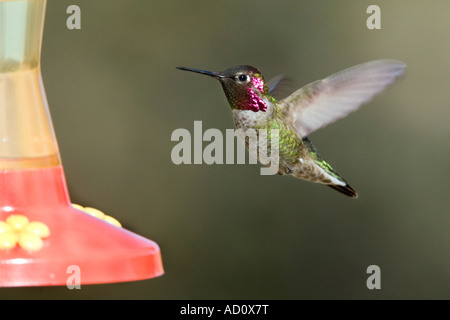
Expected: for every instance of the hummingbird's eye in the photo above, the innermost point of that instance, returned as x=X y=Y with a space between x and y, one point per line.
x=243 y=78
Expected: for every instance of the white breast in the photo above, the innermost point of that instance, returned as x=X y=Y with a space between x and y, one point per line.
x=246 y=119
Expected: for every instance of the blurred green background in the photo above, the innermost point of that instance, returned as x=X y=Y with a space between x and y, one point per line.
x=225 y=231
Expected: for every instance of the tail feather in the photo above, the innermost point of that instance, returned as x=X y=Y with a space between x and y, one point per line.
x=347 y=190
x=332 y=174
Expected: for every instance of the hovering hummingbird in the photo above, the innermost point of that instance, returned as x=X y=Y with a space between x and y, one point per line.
x=310 y=108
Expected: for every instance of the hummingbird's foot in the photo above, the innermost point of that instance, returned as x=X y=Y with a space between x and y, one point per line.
x=285 y=170
x=288 y=170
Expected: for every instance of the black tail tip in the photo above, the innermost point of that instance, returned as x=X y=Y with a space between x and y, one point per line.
x=347 y=190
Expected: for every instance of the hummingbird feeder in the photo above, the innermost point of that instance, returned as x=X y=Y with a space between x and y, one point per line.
x=42 y=236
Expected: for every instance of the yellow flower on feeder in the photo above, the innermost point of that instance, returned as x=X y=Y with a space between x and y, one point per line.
x=18 y=230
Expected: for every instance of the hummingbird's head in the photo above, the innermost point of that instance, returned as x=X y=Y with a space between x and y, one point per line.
x=244 y=86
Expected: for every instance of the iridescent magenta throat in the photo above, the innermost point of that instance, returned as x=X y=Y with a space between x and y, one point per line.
x=254 y=102
x=258 y=83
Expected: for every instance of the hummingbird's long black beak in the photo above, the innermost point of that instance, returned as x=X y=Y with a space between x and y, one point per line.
x=208 y=73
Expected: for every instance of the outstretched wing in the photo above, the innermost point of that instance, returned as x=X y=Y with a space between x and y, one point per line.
x=324 y=101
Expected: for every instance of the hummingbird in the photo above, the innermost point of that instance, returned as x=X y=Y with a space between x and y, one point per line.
x=306 y=110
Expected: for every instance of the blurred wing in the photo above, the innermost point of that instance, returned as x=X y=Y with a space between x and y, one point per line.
x=279 y=86
x=324 y=101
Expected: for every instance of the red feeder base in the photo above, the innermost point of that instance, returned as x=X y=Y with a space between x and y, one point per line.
x=100 y=251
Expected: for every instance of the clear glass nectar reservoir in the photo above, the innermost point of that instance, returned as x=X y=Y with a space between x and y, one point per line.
x=27 y=138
